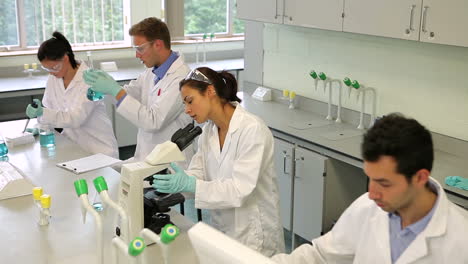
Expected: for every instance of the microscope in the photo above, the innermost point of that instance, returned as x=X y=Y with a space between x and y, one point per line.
x=146 y=207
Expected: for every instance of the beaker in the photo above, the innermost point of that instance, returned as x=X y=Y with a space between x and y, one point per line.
x=3 y=147
x=91 y=94
x=47 y=137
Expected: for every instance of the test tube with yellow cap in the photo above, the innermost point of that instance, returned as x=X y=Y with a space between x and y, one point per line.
x=37 y=192
x=45 y=210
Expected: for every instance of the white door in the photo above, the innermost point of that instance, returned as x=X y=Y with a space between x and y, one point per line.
x=445 y=22
x=270 y=11
x=387 y=18
x=323 y=14
x=308 y=193
x=283 y=164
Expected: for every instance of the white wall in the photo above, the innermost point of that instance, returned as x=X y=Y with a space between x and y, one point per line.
x=424 y=81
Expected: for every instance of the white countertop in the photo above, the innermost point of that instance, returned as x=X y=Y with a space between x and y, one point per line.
x=66 y=239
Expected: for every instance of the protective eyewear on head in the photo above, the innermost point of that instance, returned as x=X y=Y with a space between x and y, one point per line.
x=197 y=76
x=55 y=68
x=142 y=48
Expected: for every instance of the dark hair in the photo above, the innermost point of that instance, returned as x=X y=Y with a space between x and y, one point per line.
x=152 y=28
x=55 y=48
x=225 y=84
x=402 y=138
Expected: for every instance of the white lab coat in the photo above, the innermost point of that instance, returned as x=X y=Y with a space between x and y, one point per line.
x=239 y=183
x=157 y=110
x=84 y=122
x=361 y=235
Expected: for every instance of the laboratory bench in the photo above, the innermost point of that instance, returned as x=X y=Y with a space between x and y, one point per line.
x=311 y=151
x=66 y=239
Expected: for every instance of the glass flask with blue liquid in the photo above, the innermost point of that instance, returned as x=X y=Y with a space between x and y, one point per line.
x=3 y=148
x=47 y=137
x=91 y=94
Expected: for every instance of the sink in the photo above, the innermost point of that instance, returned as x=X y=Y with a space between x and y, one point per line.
x=309 y=124
x=342 y=134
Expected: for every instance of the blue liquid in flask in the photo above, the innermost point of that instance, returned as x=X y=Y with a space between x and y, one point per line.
x=3 y=149
x=47 y=139
x=93 y=95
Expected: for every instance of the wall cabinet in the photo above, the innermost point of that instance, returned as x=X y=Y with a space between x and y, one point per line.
x=433 y=21
x=442 y=22
x=387 y=18
x=324 y=14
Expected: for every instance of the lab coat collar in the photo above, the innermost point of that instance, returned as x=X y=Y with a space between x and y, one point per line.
x=236 y=119
x=436 y=227
x=78 y=78
x=234 y=124
x=179 y=62
x=379 y=224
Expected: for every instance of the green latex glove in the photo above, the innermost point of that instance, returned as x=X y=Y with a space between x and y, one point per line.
x=174 y=183
x=457 y=182
x=101 y=81
x=32 y=112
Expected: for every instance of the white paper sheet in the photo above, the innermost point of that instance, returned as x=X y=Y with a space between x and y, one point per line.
x=89 y=163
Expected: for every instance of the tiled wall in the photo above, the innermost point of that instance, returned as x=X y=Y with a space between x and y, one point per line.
x=426 y=81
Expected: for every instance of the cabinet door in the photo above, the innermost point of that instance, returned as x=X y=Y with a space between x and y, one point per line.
x=445 y=22
x=308 y=193
x=387 y=18
x=270 y=11
x=283 y=164
x=323 y=14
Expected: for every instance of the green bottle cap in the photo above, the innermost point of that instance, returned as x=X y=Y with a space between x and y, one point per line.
x=322 y=76
x=169 y=233
x=347 y=81
x=100 y=184
x=355 y=84
x=136 y=246
x=81 y=187
x=313 y=74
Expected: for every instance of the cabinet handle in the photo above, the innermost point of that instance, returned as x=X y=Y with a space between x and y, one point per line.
x=276 y=9
x=296 y=160
x=285 y=156
x=424 y=29
x=411 y=18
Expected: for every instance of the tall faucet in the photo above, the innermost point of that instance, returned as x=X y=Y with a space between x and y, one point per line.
x=363 y=90
x=340 y=88
x=326 y=81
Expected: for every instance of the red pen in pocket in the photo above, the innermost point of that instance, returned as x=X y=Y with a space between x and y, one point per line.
x=159 y=91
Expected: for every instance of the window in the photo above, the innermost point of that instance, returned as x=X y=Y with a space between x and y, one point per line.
x=27 y=23
x=204 y=17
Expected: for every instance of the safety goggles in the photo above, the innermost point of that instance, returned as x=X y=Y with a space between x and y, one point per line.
x=55 y=68
x=197 y=76
x=140 y=49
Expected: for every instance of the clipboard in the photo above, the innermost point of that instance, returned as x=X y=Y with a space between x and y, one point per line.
x=89 y=163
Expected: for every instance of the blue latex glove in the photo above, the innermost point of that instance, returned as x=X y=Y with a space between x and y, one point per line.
x=174 y=183
x=457 y=182
x=32 y=112
x=101 y=81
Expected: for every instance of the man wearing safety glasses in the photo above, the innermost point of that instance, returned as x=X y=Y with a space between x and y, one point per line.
x=152 y=101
